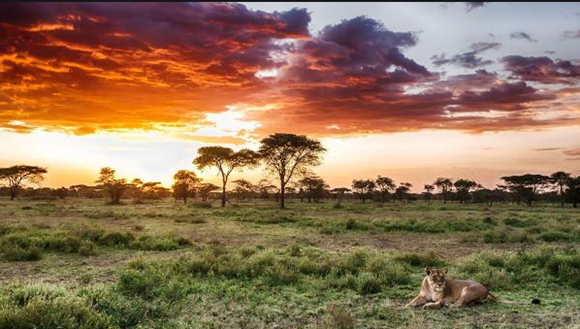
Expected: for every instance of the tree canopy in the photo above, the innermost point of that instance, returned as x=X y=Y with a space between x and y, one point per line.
x=17 y=176
x=287 y=155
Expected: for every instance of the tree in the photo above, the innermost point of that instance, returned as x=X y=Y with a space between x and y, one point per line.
x=444 y=185
x=560 y=179
x=313 y=187
x=205 y=190
x=464 y=188
x=339 y=192
x=184 y=184
x=17 y=176
x=137 y=187
x=243 y=189
x=225 y=160
x=428 y=194
x=266 y=189
x=573 y=190
x=402 y=191
x=287 y=154
x=363 y=188
x=113 y=186
x=525 y=186
x=153 y=190
x=385 y=185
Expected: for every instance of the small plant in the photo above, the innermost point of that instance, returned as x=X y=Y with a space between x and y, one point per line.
x=339 y=318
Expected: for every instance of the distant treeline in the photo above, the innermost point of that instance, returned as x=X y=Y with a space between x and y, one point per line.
x=288 y=158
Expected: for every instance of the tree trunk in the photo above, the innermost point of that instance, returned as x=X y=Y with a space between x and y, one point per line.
x=224 y=195
x=12 y=194
x=282 y=194
x=562 y=195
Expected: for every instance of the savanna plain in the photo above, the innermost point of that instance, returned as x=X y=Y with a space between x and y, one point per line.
x=79 y=263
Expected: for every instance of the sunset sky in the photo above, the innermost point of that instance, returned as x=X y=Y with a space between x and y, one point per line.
x=408 y=90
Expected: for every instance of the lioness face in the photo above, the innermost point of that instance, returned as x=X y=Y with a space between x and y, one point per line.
x=437 y=277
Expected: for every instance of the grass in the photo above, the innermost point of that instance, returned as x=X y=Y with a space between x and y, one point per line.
x=81 y=264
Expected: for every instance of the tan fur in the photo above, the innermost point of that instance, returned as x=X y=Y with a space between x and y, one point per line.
x=437 y=291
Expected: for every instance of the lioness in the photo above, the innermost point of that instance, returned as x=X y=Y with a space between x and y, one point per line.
x=437 y=291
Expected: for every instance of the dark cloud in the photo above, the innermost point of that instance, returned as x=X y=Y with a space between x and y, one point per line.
x=469 y=6
x=542 y=69
x=547 y=149
x=503 y=97
x=468 y=59
x=522 y=36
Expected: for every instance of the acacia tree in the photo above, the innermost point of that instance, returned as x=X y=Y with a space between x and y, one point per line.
x=17 y=176
x=287 y=155
x=313 y=187
x=428 y=194
x=205 y=190
x=363 y=188
x=526 y=186
x=464 y=188
x=385 y=185
x=402 y=191
x=225 y=160
x=114 y=187
x=184 y=184
x=137 y=187
x=560 y=178
x=573 y=190
x=444 y=185
x=243 y=189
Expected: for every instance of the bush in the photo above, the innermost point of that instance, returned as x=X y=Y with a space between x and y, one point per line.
x=554 y=236
x=87 y=248
x=17 y=253
x=367 y=284
x=48 y=313
x=116 y=239
x=421 y=260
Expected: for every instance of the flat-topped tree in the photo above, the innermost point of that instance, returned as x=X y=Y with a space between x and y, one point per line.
x=526 y=186
x=385 y=185
x=445 y=185
x=17 y=176
x=184 y=184
x=113 y=186
x=286 y=155
x=225 y=160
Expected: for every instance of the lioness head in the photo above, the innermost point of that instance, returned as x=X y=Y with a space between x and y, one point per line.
x=437 y=277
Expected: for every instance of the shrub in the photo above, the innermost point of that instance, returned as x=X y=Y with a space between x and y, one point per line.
x=61 y=312
x=421 y=260
x=367 y=283
x=554 y=236
x=116 y=239
x=339 y=318
x=87 y=248
x=17 y=253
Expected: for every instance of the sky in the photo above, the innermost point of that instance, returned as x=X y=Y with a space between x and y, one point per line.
x=412 y=91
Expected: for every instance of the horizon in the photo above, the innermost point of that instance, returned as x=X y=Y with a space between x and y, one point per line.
x=412 y=91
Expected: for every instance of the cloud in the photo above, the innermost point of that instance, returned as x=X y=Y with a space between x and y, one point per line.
x=542 y=69
x=522 y=36
x=100 y=66
x=572 y=152
x=469 y=6
x=547 y=149
x=571 y=34
x=468 y=59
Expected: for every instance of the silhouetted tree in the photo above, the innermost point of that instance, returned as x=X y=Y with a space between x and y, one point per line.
x=339 y=192
x=526 y=186
x=225 y=160
x=61 y=193
x=363 y=188
x=243 y=189
x=266 y=189
x=385 y=185
x=184 y=184
x=464 y=188
x=560 y=179
x=205 y=189
x=287 y=154
x=113 y=186
x=444 y=185
x=402 y=191
x=313 y=187
x=17 y=176
x=573 y=190
x=137 y=189
x=428 y=194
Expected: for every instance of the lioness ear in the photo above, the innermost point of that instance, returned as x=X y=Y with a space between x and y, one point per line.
x=445 y=270
x=428 y=270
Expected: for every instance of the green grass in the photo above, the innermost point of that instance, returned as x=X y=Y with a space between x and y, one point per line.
x=81 y=264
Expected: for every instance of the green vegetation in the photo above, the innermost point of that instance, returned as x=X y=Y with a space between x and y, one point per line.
x=164 y=264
